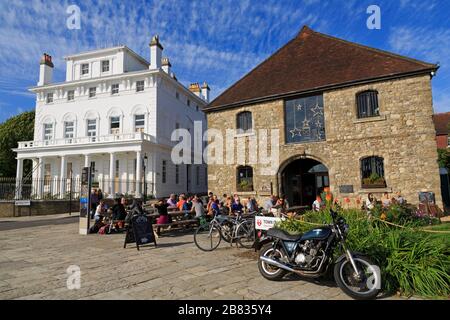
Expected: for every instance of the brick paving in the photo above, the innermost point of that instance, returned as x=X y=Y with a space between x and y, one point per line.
x=34 y=260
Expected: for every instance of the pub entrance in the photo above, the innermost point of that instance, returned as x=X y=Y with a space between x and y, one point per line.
x=302 y=180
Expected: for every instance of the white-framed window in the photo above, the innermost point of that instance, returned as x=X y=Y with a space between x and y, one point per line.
x=140 y=86
x=69 y=130
x=139 y=122
x=92 y=92
x=49 y=98
x=92 y=129
x=48 y=131
x=114 y=125
x=105 y=66
x=115 y=88
x=70 y=95
x=84 y=69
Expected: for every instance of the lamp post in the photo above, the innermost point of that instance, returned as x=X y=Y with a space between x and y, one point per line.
x=144 y=160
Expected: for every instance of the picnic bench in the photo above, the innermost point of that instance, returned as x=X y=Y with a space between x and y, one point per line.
x=177 y=220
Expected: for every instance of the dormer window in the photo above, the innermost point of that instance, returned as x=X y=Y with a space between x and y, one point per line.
x=84 y=69
x=49 y=98
x=105 y=66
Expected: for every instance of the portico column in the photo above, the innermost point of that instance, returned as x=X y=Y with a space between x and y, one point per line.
x=19 y=176
x=40 y=179
x=62 y=185
x=112 y=160
x=138 y=173
x=87 y=160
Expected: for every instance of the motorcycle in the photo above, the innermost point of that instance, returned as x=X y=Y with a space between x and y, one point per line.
x=311 y=255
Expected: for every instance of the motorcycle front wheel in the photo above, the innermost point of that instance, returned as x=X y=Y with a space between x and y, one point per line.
x=268 y=271
x=362 y=286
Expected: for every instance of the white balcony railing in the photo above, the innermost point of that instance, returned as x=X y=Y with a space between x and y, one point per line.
x=123 y=137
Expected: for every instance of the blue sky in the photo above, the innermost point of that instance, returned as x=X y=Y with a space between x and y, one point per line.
x=215 y=41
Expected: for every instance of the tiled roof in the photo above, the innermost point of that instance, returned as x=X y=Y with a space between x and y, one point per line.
x=441 y=121
x=314 y=61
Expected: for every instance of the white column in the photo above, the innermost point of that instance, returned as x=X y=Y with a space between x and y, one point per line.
x=112 y=160
x=19 y=176
x=40 y=181
x=138 y=173
x=62 y=186
x=87 y=160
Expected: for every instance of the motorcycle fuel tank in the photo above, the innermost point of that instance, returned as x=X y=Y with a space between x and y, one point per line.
x=320 y=233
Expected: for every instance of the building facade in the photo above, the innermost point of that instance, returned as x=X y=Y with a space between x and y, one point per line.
x=352 y=118
x=442 y=125
x=116 y=113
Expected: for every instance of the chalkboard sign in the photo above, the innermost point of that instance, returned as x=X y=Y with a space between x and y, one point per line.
x=140 y=232
x=346 y=189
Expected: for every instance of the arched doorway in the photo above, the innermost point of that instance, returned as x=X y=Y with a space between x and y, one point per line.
x=302 y=180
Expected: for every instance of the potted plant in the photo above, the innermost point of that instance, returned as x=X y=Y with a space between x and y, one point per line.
x=244 y=185
x=374 y=181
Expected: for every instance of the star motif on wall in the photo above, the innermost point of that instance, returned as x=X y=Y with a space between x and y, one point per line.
x=305 y=124
x=317 y=111
x=318 y=124
x=295 y=132
x=299 y=107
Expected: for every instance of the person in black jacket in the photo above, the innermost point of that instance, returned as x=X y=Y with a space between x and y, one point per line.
x=118 y=210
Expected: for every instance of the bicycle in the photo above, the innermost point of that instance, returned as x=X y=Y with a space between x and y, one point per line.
x=238 y=229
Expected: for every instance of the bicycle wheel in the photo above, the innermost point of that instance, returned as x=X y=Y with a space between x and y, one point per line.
x=245 y=234
x=207 y=237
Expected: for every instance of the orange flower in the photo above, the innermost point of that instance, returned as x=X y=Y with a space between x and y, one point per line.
x=328 y=197
x=358 y=200
x=326 y=189
x=347 y=200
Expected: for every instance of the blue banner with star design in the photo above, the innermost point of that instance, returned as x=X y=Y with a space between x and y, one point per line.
x=304 y=119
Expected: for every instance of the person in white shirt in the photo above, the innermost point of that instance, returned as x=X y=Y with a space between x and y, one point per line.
x=370 y=202
x=100 y=210
x=317 y=204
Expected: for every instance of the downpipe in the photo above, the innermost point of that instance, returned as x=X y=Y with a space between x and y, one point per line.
x=311 y=274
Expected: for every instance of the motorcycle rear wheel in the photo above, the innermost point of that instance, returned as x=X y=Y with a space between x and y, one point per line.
x=345 y=279
x=267 y=271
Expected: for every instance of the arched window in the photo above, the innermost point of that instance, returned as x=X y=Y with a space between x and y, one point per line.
x=372 y=172
x=244 y=178
x=367 y=104
x=244 y=122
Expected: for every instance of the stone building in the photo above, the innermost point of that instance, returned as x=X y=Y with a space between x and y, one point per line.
x=350 y=117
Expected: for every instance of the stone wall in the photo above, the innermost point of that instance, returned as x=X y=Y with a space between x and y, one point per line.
x=38 y=208
x=403 y=134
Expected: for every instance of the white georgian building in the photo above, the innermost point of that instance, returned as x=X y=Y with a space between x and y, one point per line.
x=116 y=112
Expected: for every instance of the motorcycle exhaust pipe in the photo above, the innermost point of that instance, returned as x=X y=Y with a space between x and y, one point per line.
x=285 y=267
x=277 y=264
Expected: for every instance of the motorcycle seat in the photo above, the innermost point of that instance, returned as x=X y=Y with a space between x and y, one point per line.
x=283 y=235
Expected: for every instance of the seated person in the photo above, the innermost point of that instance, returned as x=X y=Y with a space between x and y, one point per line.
x=100 y=211
x=197 y=207
x=237 y=208
x=215 y=210
x=317 y=204
x=118 y=210
x=164 y=217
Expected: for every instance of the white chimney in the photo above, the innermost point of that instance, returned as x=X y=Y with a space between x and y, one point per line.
x=45 y=70
x=166 y=65
x=205 y=91
x=195 y=89
x=155 y=53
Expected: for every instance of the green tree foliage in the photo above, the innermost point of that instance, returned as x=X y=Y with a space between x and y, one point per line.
x=17 y=128
x=444 y=158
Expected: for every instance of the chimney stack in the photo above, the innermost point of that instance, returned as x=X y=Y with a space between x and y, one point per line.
x=45 y=70
x=205 y=91
x=195 y=89
x=166 y=65
x=155 y=53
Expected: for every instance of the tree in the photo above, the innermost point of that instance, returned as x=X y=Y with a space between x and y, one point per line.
x=444 y=158
x=17 y=128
